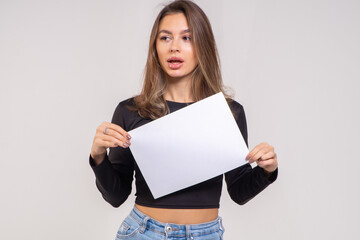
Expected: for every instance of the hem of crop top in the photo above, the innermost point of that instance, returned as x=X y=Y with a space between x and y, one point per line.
x=178 y=206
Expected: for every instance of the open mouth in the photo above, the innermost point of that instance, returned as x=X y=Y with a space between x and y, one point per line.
x=175 y=62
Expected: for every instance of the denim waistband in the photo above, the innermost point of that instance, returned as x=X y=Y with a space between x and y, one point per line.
x=171 y=229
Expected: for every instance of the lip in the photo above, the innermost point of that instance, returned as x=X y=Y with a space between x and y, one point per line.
x=175 y=59
x=175 y=62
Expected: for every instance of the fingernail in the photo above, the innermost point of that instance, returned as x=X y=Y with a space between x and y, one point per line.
x=125 y=145
x=115 y=144
x=128 y=136
x=127 y=142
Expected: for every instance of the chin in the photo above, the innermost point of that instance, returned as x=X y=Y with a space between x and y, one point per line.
x=176 y=74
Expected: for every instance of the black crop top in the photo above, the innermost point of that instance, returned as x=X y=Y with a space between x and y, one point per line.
x=114 y=175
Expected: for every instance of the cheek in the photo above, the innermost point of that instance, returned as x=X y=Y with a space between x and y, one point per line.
x=160 y=52
x=160 y=56
x=192 y=55
x=194 y=60
x=158 y=48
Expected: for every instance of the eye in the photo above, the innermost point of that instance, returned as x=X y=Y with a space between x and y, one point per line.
x=165 y=38
x=187 y=38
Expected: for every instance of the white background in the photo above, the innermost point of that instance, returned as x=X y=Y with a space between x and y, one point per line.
x=65 y=65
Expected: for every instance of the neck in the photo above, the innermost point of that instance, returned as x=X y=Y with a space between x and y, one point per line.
x=178 y=90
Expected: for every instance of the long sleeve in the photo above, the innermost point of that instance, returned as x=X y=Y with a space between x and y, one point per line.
x=245 y=182
x=114 y=175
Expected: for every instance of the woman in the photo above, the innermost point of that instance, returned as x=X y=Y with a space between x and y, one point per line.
x=182 y=67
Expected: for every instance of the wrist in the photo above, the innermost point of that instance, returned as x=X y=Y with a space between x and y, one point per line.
x=97 y=158
x=268 y=173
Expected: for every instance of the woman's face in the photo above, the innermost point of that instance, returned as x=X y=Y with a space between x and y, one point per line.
x=174 y=47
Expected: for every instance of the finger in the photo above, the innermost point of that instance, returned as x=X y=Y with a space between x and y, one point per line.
x=114 y=130
x=118 y=129
x=253 y=152
x=256 y=149
x=264 y=150
x=117 y=135
x=115 y=142
x=267 y=161
x=269 y=165
x=260 y=155
x=106 y=144
x=267 y=156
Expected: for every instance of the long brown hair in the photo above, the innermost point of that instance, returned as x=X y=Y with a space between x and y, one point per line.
x=206 y=77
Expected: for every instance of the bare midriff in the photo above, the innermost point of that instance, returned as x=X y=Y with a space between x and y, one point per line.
x=180 y=216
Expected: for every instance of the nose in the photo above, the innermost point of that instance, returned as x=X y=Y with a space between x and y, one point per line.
x=174 y=46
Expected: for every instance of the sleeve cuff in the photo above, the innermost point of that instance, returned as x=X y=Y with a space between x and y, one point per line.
x=273 y=176
x=269 y=179
x=102 y=166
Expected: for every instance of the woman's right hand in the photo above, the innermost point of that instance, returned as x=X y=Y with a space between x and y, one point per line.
x=108 y=135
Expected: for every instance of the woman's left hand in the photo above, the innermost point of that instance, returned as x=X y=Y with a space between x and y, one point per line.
x=264 y=156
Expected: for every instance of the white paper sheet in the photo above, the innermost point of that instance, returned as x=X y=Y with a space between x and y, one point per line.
x=188 y=146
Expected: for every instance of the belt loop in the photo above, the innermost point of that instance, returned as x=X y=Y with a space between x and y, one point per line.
x=143 y=224
x=187 y=227
x=167 y=229
x=221 y=227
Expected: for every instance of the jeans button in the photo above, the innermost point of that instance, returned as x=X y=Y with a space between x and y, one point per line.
x=168 y=229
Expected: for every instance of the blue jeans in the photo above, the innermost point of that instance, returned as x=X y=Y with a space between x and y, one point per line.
x=138 y=226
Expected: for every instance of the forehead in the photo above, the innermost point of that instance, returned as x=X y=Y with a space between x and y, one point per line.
x=174 y=22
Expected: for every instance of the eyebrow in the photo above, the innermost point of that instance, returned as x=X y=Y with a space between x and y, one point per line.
x=168 y=32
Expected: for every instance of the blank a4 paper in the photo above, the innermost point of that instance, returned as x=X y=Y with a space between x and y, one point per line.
x=188 y=146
